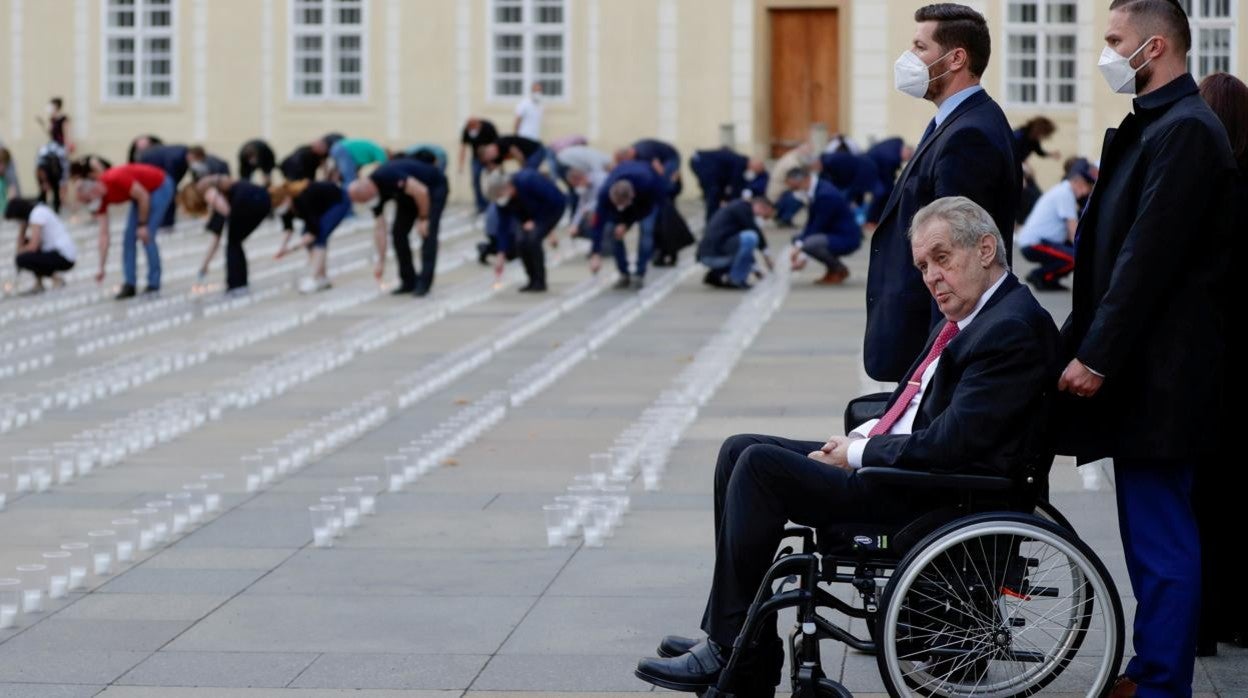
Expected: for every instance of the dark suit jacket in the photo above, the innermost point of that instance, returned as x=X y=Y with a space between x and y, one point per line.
x=985 y=409
x=1152 y=290
x=971 y=154
x=649 y=189
x=828 y=213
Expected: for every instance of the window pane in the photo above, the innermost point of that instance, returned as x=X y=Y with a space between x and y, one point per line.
x=120 y=13
x=549 y=11
x=350 y=12
x=309 y=12
x=507 y=87
x=1061 y=12
x=1023 y=12
x=158 y=14
x=508 y=12
x=551 y=87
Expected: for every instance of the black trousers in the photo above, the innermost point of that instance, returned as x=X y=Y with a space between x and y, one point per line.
x=532 y=253
x=246 y=214
x=405 y=215
x=762 y=483
x=43 y=264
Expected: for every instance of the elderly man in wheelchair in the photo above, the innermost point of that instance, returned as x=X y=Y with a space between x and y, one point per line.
x=932 y=510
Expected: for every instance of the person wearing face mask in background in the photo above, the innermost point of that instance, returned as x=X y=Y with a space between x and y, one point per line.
x=583 y=169
x=1149 y=372
x=529 y=207
x=529 y=114
x=966 y=150
x=831 y=230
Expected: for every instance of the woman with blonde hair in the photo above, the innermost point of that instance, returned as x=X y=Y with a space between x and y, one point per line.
x=236 y=205
x=322 y=206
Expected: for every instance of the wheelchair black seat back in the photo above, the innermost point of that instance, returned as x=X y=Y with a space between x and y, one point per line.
x=990 y=594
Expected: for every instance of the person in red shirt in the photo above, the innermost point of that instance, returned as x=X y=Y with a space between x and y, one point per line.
x=150 y=193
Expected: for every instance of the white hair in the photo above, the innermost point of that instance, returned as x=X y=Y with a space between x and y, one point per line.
x=968 y=223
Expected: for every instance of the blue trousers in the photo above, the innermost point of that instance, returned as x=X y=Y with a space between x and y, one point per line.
x=645 y=244
x=330 y=220
x=1162 y=546
x=741 y=262
x=787 y=206
x=477 y=194
x=347 y=168
x=161 y=200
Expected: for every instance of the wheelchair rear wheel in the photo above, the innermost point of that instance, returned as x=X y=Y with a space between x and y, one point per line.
x=999 y=604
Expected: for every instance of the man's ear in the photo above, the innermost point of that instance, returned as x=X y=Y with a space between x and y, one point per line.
x=987 y=250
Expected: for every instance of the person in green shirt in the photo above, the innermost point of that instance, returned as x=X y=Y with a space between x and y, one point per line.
x=350 y=154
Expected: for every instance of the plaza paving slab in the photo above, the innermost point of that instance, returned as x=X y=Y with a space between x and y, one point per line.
x=450 y=589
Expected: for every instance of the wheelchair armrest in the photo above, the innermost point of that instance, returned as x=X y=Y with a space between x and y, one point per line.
x=917 y=479
x=860 y=409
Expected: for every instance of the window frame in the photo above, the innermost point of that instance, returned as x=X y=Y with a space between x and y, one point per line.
x=1198 y=21
x=139 y=33
x=1041 y=30
x=328 y=30
x=528 y=30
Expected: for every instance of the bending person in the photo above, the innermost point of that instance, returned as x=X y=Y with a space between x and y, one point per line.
x=238 y=207
x=321 y=206
x=419 y=191
x=150 y=193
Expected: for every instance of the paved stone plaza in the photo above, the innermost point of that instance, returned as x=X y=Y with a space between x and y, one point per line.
x=450 y=589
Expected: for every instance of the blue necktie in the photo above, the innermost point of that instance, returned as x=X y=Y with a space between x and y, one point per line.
x=931 y=126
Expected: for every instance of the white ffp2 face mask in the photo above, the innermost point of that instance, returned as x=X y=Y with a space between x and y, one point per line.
x=1117 y=68
x=910 y=74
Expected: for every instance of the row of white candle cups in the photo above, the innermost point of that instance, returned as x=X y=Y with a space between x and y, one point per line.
x=68 y=568
x=593 y=506
x=24 y=363
x=335 y=514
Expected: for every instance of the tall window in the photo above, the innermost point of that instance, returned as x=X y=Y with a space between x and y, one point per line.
x=528 y=43
x=1212 y=26
x=327 y=49
x=1040 y=52
x=138 y=50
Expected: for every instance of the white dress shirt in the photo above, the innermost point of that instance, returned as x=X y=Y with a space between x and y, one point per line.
x=529 y=111
x=905 y=424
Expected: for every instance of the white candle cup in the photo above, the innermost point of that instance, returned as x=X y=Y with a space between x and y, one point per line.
x=601 y=465
x=322 y=534
x=57 y=563
x=351 y=508
x=557 y=516
x=196 y=507
x=21 y=476
x=79 y=563
x=212 y=498
x=146 y=536
x=181 y=511
x=103 y=546
x=162 y=521
x=336 y=523
x=10 y=602
x=369 y=484
x=127 y=537
x=34 y=582
x=395 y=472
x=595 y=526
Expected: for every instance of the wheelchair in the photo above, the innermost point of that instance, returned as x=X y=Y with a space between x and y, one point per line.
x=992 y=594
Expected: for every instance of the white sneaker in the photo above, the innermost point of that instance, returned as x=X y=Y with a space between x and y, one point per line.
x=321 y=285
x=307 y=285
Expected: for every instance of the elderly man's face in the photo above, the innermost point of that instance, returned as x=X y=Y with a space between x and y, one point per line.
x=955 y=276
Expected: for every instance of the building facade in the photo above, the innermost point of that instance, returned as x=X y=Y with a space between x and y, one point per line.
x=219 y=72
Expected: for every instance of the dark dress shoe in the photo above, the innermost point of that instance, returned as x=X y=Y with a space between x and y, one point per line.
x=533 y=288
x=1206 y=648
x=694 y=670
x=402 y=290
x=675 y=645
x=623 y=283
x=127 y=291
x=420 y=291
x=149 y=290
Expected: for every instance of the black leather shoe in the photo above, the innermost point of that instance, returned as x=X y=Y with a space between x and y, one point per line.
x=695 y=670
x=420 y=291
x=127 y=291
x=149 y=290
x=402 y=290
x=675 y=645
x=533 y=288
x=623 y=283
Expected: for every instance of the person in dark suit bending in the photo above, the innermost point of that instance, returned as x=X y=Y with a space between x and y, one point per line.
x=1147 y=339
x=831 y=231
x=966 y=150
x=988 y=364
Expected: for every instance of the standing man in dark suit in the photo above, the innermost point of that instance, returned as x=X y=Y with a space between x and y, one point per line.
x=989 y=363
x=967 y=150
x=1148 y=335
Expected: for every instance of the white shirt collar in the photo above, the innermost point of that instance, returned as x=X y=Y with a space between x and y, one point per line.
x=982 y=301
x=814 y=184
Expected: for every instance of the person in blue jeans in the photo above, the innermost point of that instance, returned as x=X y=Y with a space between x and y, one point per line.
x=731 y=238
x=477 y=132
x=321 y=206
x=150 y=193
x=832 y=230
x=633 y=193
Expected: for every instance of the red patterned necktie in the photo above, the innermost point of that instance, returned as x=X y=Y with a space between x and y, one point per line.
x=886 y=423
